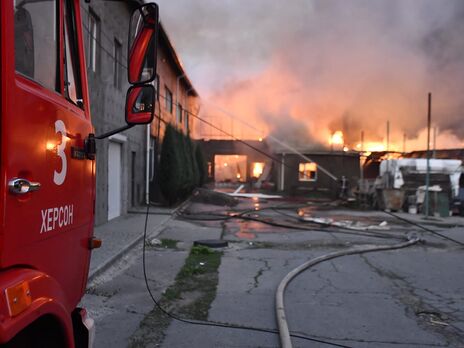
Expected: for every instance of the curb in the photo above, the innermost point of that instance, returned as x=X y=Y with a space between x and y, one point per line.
x=112 y=260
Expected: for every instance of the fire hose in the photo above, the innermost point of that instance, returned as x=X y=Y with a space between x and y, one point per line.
x=284 y=331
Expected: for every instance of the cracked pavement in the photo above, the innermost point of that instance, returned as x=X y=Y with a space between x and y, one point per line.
x=411 y=297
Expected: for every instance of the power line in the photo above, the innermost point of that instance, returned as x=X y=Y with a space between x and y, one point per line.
x=100 y=44
x=424 y=228
x=212 y=323
x=104 y=34
x=104 y=49
x=196 y=116
x=280 y=142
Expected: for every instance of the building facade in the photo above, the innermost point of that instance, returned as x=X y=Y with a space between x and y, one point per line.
x=126 y=162
x=233 y=161
x=177 y=104
x=296 y=175
x=311 y=173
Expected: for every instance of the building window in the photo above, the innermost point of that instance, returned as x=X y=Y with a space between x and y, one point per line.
x=179 y=114
x=36 y=46
x=168 y=98
x=307 y=171
x=94 y=32
x=117 y=64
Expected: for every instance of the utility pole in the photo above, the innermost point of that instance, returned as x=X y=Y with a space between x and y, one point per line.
x=388 y=136
x=404 y=143
x=362 y=141
x=362 y=150
x=427 y=176
x=434 y=141
x=387 y=177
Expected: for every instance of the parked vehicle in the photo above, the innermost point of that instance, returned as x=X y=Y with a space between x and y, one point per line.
x=48 y=165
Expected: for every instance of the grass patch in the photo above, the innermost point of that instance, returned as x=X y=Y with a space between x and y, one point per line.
x=190 y=296
x=168 y=243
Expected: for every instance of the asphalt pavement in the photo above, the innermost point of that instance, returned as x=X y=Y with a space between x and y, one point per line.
x=412 y=297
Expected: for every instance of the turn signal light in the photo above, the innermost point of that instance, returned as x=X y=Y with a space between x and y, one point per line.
x=94 y=243
x=18 y=298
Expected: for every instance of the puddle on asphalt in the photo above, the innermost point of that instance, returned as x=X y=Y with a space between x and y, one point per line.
x=245 y=235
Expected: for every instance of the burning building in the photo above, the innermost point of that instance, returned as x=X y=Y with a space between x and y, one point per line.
x=311 y=173
x=317 y=173
x=232 y=161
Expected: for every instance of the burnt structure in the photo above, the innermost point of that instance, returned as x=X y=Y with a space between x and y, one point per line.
x=439 y=154
x=252 y=152
x=288 y=173
x=297 y=176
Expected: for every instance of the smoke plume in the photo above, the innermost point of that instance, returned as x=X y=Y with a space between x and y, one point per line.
x=302 y=70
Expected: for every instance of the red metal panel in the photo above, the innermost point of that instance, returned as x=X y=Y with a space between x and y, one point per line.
x=47 y=297
x=49 y=229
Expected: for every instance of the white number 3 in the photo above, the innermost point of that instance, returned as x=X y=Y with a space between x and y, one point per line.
x=58 y=177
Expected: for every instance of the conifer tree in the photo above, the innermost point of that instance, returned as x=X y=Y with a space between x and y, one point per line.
x=195 y=171
x=170 y=166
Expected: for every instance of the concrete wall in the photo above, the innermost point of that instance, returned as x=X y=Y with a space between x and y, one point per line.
x=107 y=107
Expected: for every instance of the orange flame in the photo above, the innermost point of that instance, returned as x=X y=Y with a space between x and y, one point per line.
x=336 y=138
x=258 y=168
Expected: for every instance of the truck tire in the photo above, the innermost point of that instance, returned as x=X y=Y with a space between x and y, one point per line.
x=45 y=332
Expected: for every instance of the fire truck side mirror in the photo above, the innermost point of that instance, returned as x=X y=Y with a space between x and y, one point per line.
x=140 y=104
x=143 y=44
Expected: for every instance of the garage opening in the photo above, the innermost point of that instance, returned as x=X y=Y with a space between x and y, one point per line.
x=230 y=168
x=114 y=179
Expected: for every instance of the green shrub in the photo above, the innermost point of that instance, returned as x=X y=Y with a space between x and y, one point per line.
x=193 y=162
x=186 y=174
x=170 y=166
x=201 y=250
x=182 y=166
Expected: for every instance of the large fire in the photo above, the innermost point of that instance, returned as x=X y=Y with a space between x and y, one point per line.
x=374 y=146
x=257 y=170
x=247 y=122
x=337 y=138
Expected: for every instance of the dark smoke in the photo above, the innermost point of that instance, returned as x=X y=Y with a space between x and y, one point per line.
x=325 y=65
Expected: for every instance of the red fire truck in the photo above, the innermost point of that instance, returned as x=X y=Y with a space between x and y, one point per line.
x=47 y=157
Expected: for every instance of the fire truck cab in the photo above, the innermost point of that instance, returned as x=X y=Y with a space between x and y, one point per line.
x=47 y=165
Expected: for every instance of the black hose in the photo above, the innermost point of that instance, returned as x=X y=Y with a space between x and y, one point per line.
x=425 y=228
x=341 y=230
x=211 y=323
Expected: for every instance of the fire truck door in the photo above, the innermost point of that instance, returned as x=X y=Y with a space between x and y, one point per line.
x=49 y=200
